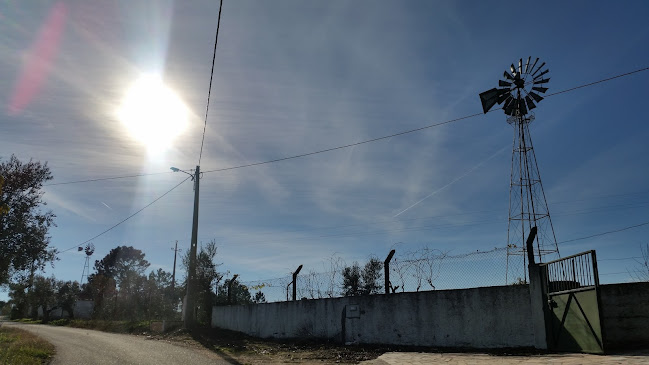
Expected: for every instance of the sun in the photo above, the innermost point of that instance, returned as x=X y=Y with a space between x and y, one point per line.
x=152 y=113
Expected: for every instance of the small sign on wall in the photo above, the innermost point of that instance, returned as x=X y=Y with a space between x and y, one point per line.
x=353 y=311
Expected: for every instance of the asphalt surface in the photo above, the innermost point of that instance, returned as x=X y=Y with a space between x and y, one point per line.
x=82 y=346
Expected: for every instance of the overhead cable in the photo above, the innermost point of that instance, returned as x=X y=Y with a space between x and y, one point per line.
x=605 y=233
x=358 y=143
x=127 y=218
x=209 y=90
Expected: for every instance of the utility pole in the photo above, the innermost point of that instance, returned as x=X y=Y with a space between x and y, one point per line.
x=189 y=317
x=173 y=275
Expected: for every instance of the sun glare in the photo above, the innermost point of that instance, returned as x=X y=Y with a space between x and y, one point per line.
x=153 y=113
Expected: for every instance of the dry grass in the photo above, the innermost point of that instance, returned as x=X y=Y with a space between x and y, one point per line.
x=20 y=347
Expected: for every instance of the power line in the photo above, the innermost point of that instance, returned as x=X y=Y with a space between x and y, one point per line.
x=597 y=82
x=127 y=218
x=412 y=130
x=106 y=178
x=357 y=143
x=621 y=258
x=345 y=146
x=209 y=90
x=605 y=233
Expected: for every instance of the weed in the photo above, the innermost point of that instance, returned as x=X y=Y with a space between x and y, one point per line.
x=20 y=347
x=60 y=322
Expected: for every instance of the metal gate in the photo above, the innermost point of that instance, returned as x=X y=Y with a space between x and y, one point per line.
x=573 y=316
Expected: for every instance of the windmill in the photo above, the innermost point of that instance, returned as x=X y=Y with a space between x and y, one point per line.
x=518 y=93
x=89 y=249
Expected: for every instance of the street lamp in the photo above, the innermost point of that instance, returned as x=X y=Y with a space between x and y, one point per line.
x=189 y=315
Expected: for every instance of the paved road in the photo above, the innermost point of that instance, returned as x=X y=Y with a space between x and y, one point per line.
x=414 y=358
x=81 y=346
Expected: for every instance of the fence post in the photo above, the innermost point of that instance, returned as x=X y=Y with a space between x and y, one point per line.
x=295 y=281
x=230 y=288
x=386 y=268
x=538 y=302
x=530 y=245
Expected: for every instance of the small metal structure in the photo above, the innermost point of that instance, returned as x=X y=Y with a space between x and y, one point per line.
x=386 y=270
x=89 y=249
x=230 y=288
x=573 y=321
x=518 y=93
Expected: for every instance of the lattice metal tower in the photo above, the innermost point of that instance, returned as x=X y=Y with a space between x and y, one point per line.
x=528 y=206
x=90 y=249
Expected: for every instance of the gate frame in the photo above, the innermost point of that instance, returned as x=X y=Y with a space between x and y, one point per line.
x=548 y=293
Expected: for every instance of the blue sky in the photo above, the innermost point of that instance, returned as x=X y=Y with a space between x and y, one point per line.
x=298 y=76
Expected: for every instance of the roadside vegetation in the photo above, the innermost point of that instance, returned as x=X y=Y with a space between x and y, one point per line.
x=132 y=327
x=19 y=347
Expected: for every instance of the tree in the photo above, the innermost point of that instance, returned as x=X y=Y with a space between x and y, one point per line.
x=259 y=298
x=362 y=282
x=67 y=294
x=120 y=273
x=207 y=278
x=239 y=293
x=46 y=293
x=43 y=294
x=18 y=299
x=4 y=208
x=161 y=301
x=5 y=308
x=352 y=281
x=24 y=227
x=372 y=275
x=641 y=270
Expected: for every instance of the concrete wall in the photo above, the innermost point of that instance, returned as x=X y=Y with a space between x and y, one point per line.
x=625 y=313
x=83 y=309
x=478 y=318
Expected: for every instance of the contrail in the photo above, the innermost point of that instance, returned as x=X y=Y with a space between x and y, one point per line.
x=106 y=205
x=452 y=182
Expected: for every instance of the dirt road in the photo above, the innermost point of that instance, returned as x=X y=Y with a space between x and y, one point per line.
x=82 y=346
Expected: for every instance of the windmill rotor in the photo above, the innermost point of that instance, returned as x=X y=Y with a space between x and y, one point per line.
x=518 y=92
x=90 y=249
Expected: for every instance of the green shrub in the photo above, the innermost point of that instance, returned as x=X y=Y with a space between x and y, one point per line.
x=60 y=322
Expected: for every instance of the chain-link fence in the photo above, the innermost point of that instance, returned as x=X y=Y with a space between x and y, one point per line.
x=421 y=270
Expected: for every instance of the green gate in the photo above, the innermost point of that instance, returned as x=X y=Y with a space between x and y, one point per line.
x=573 y=317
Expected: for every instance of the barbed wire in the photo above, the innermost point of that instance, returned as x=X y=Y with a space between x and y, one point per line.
x=412 y=271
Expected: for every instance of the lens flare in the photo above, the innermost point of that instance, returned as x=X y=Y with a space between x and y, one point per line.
x=39 y=62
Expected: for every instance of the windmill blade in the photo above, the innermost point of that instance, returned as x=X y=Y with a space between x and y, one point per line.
x=513 y=69
x=540 y=89
x=488 y=99
x=534 y=64
x=520 y=66
x=509 y=104
x=537 y=70
x=527 y=64
x=509 y=110
x=544 y=81
x=541 y=74
x=504 y=83
x=508 y=76
x=536 y=96
x=503 y=96
x=530 y=103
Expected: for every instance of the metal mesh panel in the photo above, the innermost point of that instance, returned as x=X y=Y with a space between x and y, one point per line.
x=409 y=272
